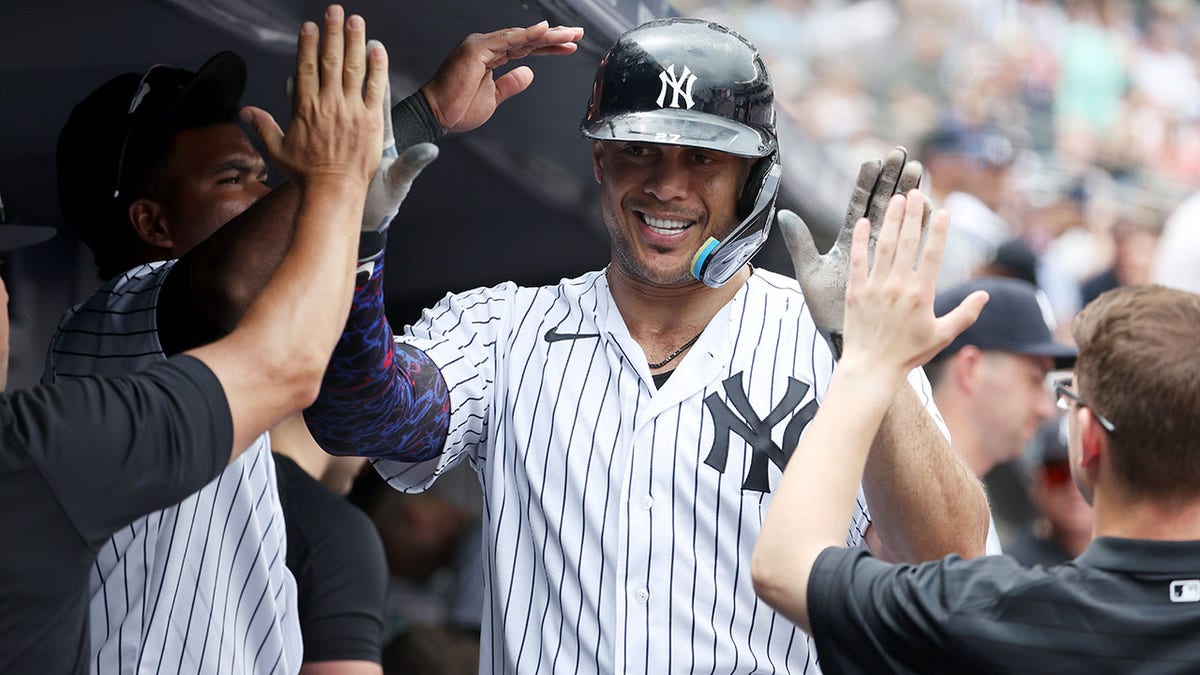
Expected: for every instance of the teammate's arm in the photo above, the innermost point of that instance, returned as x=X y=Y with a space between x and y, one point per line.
x=889 y=330
x=924 y=501
x=271 y=364
x=214 y=282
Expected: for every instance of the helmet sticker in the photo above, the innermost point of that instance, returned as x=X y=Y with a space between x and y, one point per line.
x=680 y=86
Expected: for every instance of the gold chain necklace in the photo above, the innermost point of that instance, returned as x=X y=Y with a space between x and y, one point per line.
x=674 y=355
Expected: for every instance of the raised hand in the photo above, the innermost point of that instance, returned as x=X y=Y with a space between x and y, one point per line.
x=823 y=277
x=463 y=94
x=889 y=322
x=336 y=131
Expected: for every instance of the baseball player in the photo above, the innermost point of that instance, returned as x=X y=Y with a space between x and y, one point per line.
x=151 y=169
x=84 y=458
x=1129 y=603
x=629 y=426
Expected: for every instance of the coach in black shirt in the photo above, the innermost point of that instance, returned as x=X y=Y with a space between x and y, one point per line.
x=81 y=459
x=1129 y=604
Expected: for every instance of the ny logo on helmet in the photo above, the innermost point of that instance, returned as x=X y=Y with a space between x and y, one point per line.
x=680 y=86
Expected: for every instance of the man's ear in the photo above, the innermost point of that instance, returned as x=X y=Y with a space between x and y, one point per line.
x=149 y=223
x=1093 y=440
x=965 y=365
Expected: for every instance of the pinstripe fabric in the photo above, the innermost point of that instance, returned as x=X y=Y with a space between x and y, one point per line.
x=613 y=542
x=199 y=587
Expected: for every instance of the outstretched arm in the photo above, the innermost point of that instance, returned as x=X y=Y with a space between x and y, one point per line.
x=271 y=365
x=889 y=330
x=221 y=275
x=924 y=501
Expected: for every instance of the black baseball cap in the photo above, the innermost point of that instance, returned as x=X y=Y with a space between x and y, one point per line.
x=987 y=146
x=110 y=137
x=1013 y=320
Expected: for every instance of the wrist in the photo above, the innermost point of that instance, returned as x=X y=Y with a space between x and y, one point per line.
x=337 y=185
x=874 y=386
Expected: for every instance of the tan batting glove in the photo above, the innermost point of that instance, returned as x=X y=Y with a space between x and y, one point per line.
x=823 y=277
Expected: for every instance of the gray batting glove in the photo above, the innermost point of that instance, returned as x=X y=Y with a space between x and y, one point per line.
x=823 y=277
x=390 y=184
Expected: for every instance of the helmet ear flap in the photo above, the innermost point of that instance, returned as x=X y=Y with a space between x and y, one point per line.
x=718 y=260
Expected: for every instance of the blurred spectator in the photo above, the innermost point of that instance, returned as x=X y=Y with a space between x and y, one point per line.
x=1134 y=244
x=969 y=172
x=1014 y=259
x=1062 y=528
x=1178 y=260
x=989 y=384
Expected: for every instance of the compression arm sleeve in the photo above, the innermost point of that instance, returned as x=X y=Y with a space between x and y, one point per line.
x=379 y=399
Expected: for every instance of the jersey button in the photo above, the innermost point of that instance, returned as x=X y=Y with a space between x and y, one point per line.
x=641 y=595
x=647 y=502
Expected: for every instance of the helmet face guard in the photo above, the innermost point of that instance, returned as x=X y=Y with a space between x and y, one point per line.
x=693 y=83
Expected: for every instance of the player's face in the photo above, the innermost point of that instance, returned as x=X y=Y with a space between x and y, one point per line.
x=662 y=202
x=1013 y=401
x=214 y=174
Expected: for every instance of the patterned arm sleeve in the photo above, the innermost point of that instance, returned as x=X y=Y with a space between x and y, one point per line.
x=379 y=398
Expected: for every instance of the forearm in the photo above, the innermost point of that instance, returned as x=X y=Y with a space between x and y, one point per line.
x=814 y=503
x=925 y=502
x=379 y=399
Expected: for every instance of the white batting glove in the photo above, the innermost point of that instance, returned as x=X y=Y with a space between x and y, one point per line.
x=823 y=277
x=390 y=184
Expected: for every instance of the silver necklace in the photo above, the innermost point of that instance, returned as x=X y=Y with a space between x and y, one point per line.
x=674 y=355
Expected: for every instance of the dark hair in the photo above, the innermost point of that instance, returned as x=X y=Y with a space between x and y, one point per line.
x=1139 y=366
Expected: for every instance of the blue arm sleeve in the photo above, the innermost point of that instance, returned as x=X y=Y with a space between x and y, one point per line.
x=379 y=399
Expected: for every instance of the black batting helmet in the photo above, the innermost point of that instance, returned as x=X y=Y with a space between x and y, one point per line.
x=694 y=83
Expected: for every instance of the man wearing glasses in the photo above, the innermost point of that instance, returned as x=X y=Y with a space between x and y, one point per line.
x=1129 y=603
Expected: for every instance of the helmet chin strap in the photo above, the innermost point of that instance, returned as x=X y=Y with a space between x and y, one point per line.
x=718 y=260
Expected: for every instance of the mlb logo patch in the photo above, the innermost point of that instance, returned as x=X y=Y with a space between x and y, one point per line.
x=1186 y=590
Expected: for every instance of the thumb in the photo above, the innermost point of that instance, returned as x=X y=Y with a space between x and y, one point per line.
x=962 y=317
x=265 y=127
x=798 y=239
x=410 y=164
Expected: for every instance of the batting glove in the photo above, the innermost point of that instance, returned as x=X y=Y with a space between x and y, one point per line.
x=390 y=184
x=823 y=277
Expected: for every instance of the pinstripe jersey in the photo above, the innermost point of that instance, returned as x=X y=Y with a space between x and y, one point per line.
x=199 y=587
x=620 y=518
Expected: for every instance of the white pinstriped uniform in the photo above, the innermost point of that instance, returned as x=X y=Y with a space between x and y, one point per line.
x=611 y=545
x=199 y=587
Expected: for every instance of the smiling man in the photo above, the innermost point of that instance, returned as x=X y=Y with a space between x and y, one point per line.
x=630 y=425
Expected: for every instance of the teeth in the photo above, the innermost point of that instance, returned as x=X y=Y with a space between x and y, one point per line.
x=664 y=226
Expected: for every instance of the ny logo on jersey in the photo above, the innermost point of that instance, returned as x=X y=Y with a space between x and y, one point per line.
x=680 y=86
x=757 y=432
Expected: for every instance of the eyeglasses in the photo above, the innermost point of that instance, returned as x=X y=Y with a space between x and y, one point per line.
x=1064 y=397
x=139 y=93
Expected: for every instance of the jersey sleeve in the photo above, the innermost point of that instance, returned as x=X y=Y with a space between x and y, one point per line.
x=463 y=336
x=112 y=450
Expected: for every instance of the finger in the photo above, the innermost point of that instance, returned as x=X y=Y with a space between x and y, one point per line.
x=333 y=47
x=265 y=127
x=512 y=83
x=868 y=173
x=410 y=164
x=885 y=187
x=935 y=247
x=859 y=259
x=565 y=48
x=559 y=35
x=354 y=70
x=910 y=231
x=910 y=177
x=378 y=92
x=307 y=82
x=889 y=232
x=961 y=318
x=798 y=239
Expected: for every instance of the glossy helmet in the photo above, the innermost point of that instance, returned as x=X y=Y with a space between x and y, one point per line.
x=690 y=82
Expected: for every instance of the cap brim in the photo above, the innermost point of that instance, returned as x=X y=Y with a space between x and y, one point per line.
x=219 y=83
x=13 y=236
x=682 y=127
x=1063 y=355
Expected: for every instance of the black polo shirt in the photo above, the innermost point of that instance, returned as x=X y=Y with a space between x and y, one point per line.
x=78 y=461
x=1123 y=606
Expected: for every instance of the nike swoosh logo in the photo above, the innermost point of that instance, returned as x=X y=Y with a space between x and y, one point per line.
x=553 y=335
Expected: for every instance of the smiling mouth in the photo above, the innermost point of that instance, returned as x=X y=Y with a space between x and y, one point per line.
x=665 y=226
